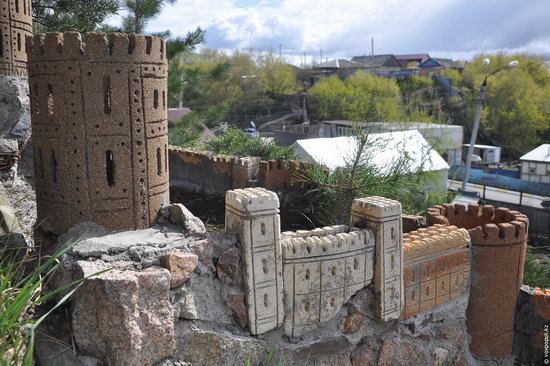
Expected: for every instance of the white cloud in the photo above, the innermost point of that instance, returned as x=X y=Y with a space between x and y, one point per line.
x=343 y=28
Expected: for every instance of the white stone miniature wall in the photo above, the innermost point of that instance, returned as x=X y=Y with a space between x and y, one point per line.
x=323 y=268
x=384 y=217
x=321 y=273
x=253 y=214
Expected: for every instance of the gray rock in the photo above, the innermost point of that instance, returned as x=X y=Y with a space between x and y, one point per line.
x=178 y=214
x=201 y=298
x=8 y=146
x=143 y=246
x=15 y=122
x=124 y=317
x=199 y=345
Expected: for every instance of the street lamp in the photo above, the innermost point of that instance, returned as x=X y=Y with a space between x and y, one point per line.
x=479 y=107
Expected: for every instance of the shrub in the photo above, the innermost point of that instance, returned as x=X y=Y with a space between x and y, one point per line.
x=234 y=142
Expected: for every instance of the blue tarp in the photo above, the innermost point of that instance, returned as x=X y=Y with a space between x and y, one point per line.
x=477 y=176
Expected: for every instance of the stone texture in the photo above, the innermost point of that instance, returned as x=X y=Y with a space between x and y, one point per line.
x=533 y=314
x=181 y=266
x=364 y=356
x=229 y=268
x=383 y=216
x=15 y=117
x=321 y=273
x=180 y=215
x=141 y=246
x=124 y=317
x=199 y=345
x=353 y=322
x=237 y=303
x=100 y=130
x=395 y=352
x=440 y=356
x=201 y=298
x=253 y=214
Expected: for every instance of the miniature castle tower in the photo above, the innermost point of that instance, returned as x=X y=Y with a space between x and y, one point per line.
x=15 y=26
x=253 y=214
x=383 y=216
x=99 y=125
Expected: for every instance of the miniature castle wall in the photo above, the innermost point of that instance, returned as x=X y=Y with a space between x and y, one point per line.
x=99 y=122
x=189 y=167
x=15 y=26
x=321 y=272
x=499 y=241
x=436 y=267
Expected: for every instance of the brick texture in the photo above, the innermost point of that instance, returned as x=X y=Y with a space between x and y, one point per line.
x=499 y=240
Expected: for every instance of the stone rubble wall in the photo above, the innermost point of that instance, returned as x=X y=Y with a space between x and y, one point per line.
x=532 y=326
x=100 y=131
x=499 y=242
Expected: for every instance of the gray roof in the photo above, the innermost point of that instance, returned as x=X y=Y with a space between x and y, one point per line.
x=450 y=64
x=339 y=64
x=376 y=60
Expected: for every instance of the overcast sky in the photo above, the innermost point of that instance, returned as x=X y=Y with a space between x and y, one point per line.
x=343 y=28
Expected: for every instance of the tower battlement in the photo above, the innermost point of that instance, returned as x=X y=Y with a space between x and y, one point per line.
x=112 y=47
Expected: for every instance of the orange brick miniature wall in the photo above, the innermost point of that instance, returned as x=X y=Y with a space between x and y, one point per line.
x=436 y=267
x=499 y=241
x=99 y=125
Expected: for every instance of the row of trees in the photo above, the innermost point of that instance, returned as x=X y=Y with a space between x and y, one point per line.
x=516 y=115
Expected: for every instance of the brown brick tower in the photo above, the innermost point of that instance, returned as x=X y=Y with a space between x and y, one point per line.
x=499 y=241
x=15 y=26
x=99 y=121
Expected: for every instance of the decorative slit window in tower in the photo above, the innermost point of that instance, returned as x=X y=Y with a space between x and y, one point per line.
x=156 y=99
x=107 y=94
x=164 y=99
x=41 y=163
x=19 y=42
x=35 y=100
x=1 y=44
x=159 y=162
x=110 y=168
x=166 y=158
x=50 y=100
x=17 y=6
x=54 y=166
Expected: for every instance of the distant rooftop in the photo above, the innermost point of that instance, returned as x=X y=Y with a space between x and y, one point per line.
x=387 y=148
x=540 y=154
x=376 y=60
x=339 y=64
x=421 y=57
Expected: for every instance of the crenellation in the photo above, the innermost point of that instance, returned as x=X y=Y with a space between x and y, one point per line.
x=97 y=47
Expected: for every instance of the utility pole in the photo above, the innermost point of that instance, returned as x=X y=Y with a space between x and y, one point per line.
x=280 y=53
x=372 y=46
x=321 y=58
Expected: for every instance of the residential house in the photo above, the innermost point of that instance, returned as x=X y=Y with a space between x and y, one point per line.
x=411 y=60
x=535 y=165
x=379 y=64
x=340 y=67
x=433 y=66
